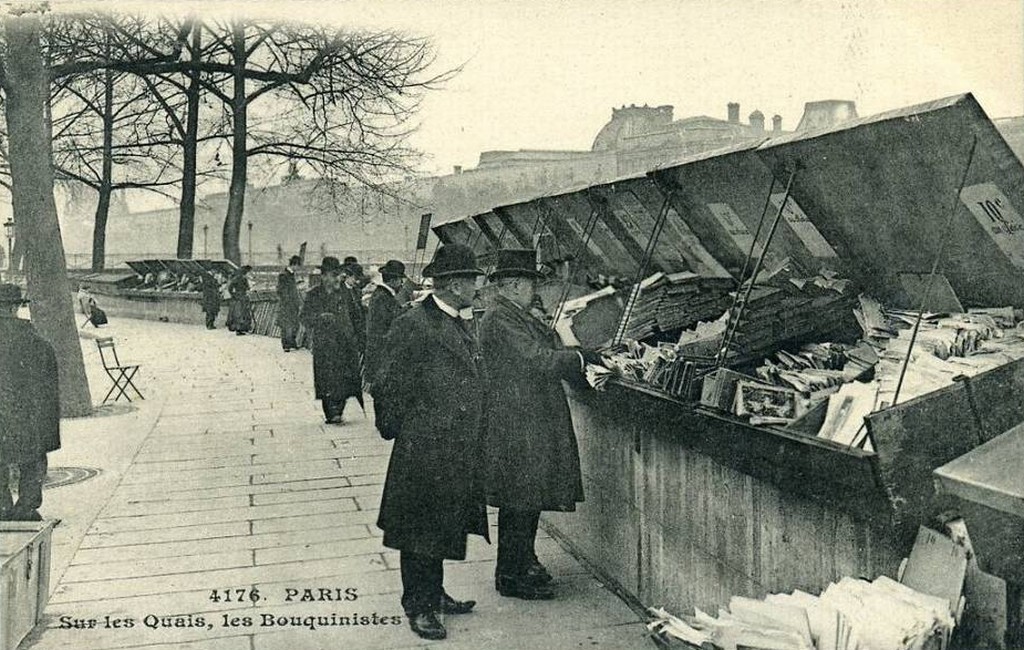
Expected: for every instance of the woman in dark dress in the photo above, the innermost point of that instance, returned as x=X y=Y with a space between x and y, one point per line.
x=240 y=311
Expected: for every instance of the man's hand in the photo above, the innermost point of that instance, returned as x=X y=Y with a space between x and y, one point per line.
x=590 y=357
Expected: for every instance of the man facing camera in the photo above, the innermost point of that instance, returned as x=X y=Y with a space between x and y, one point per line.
x=429 y=399
x=532 y=457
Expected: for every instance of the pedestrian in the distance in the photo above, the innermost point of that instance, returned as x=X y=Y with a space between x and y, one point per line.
x=350 y=278
x=327 y=315
x=532 y=457
x=211 y=299
x=240 y=310
x=289 y=302
x=29 y=409
x=384 y=307
x=431 y=396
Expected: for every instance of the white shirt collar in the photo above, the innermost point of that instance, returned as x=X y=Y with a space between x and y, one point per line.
x=465 y=314
x=389 y=289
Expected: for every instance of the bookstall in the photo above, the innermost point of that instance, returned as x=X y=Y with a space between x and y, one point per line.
x=870 y=276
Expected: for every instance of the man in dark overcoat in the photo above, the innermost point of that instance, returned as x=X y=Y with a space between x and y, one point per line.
x=211 y=299
x=327 y=315
x=430 y=394
x=533 y=461
x=350 y=278
x=29 y=409
x=288 y=304
x=384 y=307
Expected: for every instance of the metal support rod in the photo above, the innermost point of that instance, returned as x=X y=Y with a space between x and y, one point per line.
x=588 y=229
x=935 y=267
x=736 y=313
x=757 y=233
x=634 y=294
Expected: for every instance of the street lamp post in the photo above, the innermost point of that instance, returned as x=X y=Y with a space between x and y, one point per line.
x=9 y=231
x=250 y=243
x=205 y=230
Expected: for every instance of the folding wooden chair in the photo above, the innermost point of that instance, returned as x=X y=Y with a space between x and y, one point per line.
x=120 y=374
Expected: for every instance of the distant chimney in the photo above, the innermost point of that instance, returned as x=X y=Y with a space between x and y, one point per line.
x=458 y=169
x=777 y=124
x=734 y=113
x=757 y=121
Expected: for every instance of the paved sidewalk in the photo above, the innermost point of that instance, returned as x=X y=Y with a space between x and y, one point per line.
x=225 y=479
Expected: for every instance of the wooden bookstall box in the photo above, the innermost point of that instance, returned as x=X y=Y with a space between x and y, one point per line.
x=24 y=578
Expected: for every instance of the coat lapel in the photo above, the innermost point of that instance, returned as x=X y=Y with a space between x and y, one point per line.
x=452 y=335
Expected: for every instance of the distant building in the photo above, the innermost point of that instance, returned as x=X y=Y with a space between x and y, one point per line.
x=372 y=224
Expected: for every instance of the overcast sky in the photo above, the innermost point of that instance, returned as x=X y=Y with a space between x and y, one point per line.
x=546 y=74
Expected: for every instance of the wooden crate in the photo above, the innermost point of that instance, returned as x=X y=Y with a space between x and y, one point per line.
x=24 y=578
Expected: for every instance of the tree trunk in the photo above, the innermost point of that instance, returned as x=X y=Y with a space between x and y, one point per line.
x=187 y=209
x=239 y=154
x=35 y=211
x=99 y=226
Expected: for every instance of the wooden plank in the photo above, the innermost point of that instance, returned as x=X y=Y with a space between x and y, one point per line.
x=913 y=439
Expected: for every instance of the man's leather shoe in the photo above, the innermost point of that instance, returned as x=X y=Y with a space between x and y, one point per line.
x=522 y=587
x=426 y=625
x=451 y=606
x=538 y=574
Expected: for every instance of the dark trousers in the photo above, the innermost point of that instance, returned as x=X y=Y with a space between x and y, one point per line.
x=517 y=530
x=211 y=316
x=288 y=333
x=422 y=582
x=332 y=407
x=32 y=473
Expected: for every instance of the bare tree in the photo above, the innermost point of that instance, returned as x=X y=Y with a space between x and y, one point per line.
x=25 y=84
x=341 y=100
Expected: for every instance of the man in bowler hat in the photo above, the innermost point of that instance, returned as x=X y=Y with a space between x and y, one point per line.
x=384 y=307
x=29 y=409
x=532 y=457
x=429 y=395
x=326 y=313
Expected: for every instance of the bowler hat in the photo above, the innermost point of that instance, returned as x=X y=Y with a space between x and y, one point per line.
x=452 y=259
x=11 y=293
x=392 y=269
x=330 y=265
x=355 y=269
x=515 y=263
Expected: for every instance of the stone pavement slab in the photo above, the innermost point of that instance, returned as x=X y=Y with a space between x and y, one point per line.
x=225 y=480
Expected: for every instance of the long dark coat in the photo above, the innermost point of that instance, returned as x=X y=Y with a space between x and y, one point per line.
x=532 y=457
x=240 y=311
x=211 y=295
x=327 y=314
x=357 y=313
x=383 y=310
x=29 y=400
x=430 y=388
x=289 y=302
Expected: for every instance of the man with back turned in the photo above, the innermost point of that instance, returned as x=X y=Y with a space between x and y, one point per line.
x=428 y=398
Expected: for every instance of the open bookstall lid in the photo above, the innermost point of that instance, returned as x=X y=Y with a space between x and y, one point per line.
x=869 y=199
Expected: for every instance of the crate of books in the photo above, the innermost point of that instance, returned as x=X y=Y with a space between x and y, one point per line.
x=24 y=578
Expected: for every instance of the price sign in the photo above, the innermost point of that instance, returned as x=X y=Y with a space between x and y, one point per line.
x=734 y=226
x=801 y=225
x=998 y=217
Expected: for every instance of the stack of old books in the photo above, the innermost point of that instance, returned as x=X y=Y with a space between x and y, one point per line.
x=849 y=614
x=674 y=301
x=814 y=308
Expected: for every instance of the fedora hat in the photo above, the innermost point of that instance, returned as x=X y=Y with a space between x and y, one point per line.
x=515 y=263
x=11 y=293
x=452 y=259
x=330 y=265
x=392 y=269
